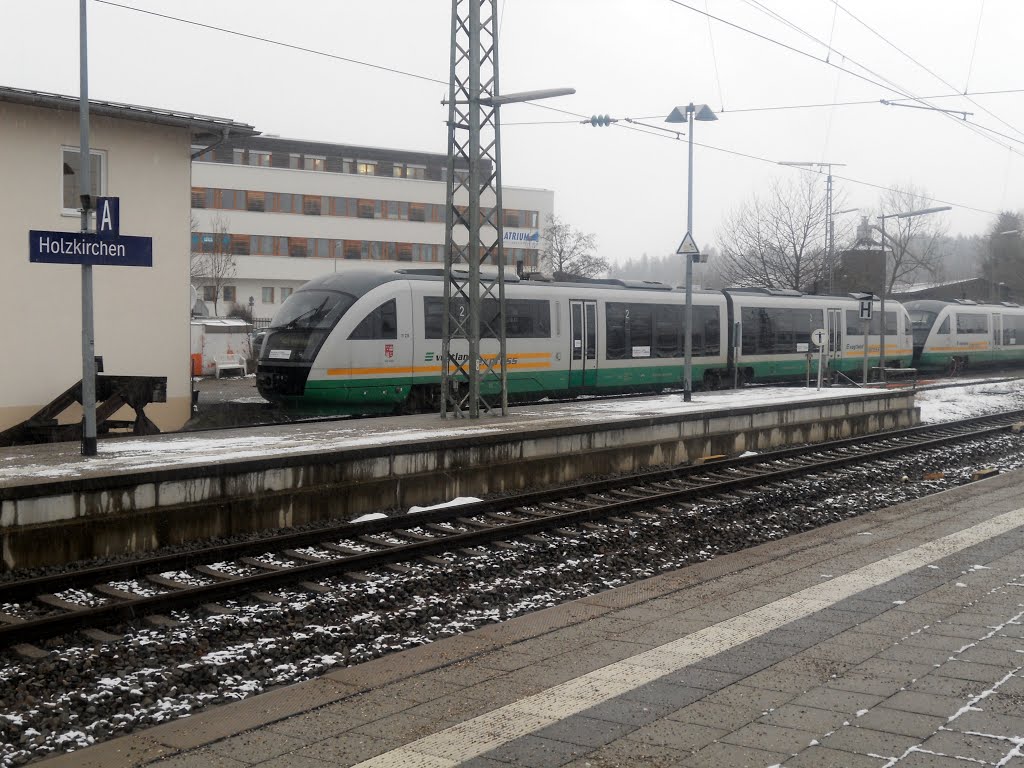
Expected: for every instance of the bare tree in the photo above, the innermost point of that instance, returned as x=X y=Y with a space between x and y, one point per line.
x=917 y=244
x=568 y=253
x=778 y=242
x=212 y=263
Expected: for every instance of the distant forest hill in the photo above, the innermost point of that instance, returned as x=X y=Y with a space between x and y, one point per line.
x=961 y=259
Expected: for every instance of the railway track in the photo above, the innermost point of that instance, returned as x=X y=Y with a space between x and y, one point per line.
x=90 y=598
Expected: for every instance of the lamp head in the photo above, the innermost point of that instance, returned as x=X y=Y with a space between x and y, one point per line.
x=700 y=112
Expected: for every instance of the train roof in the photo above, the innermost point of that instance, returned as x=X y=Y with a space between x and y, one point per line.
x=935 y=305
x=359 y=279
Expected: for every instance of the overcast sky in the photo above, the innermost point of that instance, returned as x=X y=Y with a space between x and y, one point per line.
x=626 y=58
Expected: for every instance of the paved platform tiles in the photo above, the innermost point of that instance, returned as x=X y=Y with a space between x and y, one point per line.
x=893 y=639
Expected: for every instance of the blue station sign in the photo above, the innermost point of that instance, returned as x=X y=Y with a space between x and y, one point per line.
x=106 y=248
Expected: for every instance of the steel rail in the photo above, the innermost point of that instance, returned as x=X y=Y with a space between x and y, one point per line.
x=902 y=441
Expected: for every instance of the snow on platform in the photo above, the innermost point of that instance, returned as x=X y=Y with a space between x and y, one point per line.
x=62 y=461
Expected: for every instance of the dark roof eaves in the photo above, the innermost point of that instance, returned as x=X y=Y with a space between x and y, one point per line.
x=197 y=124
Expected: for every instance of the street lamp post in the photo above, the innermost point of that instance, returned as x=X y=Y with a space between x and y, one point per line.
x=687 y=114
x=885 y=280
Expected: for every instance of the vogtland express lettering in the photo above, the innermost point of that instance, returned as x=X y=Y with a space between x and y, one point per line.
x=57 y=247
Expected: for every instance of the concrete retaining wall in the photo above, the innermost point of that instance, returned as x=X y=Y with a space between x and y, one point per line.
x=91 y=517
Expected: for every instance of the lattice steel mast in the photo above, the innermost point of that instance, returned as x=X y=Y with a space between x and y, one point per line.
x=473 y=378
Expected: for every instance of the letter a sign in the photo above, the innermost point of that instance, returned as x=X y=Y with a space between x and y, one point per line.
x=108 y=216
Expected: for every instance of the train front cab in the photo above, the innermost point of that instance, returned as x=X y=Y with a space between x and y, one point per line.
x=953 y=336
x=335 y=343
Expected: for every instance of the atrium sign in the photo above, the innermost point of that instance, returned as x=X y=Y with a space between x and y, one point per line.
x=107 y=247
x=522 y=238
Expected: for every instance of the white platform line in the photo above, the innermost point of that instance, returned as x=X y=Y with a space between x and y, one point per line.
x=493 y=729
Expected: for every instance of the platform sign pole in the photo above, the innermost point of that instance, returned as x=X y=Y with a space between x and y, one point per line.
x=85 y=189
x=820 y=339
x=865 y=318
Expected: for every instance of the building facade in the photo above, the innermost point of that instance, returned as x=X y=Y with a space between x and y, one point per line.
x=270 y=214
x=141 y=155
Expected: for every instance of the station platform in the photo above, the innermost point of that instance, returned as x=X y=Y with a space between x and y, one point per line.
x=176 y=488
x=891 y=639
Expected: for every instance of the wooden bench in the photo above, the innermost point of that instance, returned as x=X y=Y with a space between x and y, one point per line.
x=229 y=363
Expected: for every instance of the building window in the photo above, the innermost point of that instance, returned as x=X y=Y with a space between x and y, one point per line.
x=259 y=158
x=366 y=209
x=366 y=168
x=353 y=249
x=346 y=165
x=289 y=203
x=229 y=293
x=294 y=160
x=311 y=205
x=268 y=295
x=396 y=170
x=71 y=190
x=313 y=163
x=255 y=201
x=238 y=156
x=198 y=197
x=240 y=245
x=415 y=171
x=209 y=293
x=285 y=293
x=417 y=212
x=297 y=246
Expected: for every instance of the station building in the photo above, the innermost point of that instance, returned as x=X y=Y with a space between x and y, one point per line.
x=286 y=211
x=143 y=156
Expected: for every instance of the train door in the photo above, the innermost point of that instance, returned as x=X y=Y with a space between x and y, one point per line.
x=583 y=339
x=834 y=354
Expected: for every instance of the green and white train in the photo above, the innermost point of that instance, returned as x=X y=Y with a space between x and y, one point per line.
x=954 y=335
x=368 y=339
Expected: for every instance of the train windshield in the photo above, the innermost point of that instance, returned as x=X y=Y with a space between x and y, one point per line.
x=309 y=310
x=921 y=320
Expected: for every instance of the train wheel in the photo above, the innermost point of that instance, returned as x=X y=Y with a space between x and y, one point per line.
x=712 y=380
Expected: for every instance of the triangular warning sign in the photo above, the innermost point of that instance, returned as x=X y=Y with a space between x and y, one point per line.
x=688 y=247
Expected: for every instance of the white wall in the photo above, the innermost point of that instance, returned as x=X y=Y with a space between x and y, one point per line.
x=253 y=273
x=141 y=314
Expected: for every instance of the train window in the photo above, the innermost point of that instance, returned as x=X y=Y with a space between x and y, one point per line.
x=668 y=331
x=433 y=315
x=312 y=309
x=641 y=322
x=706 y=331
x=769 y=331
x=525 y=318
x=381 y=323
x=855 y=326
x=615 y=317
x=971 y=323
x=1013 y=328
x=944 y=328
x=657 y=330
